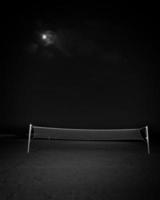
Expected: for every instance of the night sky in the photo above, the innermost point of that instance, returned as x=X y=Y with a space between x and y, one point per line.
x=80 y=65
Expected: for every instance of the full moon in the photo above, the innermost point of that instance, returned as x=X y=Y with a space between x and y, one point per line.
x=48 y=37
x=44 y=36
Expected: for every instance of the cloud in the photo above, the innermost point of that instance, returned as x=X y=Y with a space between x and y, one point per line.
x=90 y=40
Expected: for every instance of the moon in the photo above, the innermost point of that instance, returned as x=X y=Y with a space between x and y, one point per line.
x=48 y=37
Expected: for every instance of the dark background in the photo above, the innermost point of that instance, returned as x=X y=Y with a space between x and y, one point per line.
x=103 y=73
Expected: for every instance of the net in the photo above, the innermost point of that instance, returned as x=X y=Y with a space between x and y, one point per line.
x=86 y=134
x=41 y=132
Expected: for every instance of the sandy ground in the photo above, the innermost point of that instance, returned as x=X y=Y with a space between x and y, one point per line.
x=78 y=170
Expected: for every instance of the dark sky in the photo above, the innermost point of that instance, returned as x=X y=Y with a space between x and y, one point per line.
x=139 y=22
x=103 y=33
x=104 y=52
x=97 y=38
x=135 y=17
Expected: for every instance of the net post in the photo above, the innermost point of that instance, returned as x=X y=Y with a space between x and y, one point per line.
x=29 y=137
x=147 y=140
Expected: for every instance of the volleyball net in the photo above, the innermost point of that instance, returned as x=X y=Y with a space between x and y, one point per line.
x=42 y=132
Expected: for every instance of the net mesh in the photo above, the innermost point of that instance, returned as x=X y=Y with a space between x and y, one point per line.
x=87 y=134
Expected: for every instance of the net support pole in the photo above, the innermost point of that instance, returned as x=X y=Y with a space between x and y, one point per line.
x=147 y=140
x=29 y=137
